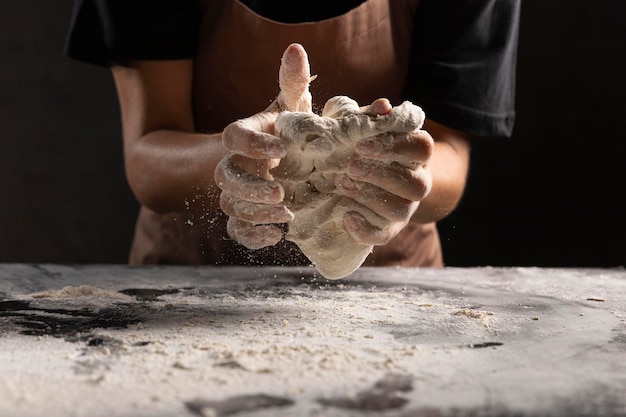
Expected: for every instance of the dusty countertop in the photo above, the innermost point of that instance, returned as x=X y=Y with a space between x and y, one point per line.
x=99 y=340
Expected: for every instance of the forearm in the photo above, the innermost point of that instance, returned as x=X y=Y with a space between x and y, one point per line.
x=169 y=167
x=171 y=171
x=448 y=166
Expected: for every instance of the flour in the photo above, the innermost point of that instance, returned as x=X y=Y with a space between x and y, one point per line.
x=82 y=295
x=319 y=150
x=475 y=314
x=231 y=332
x=83 y=292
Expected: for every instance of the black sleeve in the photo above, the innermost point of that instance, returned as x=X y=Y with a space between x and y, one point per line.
x=111 y=32
x=463 y=64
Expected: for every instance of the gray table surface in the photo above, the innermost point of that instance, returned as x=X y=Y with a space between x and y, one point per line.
x=112 y=340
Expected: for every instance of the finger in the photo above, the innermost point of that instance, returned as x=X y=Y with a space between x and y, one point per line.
x=294 y=77
x=234 y=180
x=253 y=137
x=251 y=236
x=379 y=107
x=389 y=206
x=408 y=149
x=365 y=233
x=409 y=184
x=254 y=212
x=340 y=106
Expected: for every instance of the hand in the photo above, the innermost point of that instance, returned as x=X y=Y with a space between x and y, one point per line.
x=390 y=176
x=250 y=196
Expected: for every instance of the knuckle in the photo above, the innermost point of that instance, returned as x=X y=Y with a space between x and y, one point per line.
x=383 y=237
x=230 y=134
x=401 y=212
x=421 y=184
x=424 y=144
x=226 y=204
x=251 y=236
x=219 y=174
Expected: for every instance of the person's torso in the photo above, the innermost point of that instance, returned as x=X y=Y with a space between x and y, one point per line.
x=363 y=53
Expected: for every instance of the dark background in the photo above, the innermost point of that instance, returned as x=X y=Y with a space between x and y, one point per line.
x=552 y=195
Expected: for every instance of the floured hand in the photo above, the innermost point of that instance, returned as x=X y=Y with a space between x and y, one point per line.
x=250 y=197
x=389 y=174
x=341 y=208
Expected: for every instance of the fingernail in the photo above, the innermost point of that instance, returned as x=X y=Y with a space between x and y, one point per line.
x=367 y=148
x=381 y=106
x=346 y=183
x=277 y=151
x=351 y=222
x=358 y=169
x=274 y=147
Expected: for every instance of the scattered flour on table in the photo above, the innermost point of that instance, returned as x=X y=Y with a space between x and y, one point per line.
x=84 y=295
x=317 y=341
x=485 y=317
x=475 y=314
x=306 y=342
x=84 y=292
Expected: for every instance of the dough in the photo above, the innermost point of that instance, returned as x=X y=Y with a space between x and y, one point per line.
x=319 y=149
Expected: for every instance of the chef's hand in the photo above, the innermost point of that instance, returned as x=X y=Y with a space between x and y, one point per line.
x=390 y=176
x=250 y=196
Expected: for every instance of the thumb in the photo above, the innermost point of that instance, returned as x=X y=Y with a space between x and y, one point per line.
x=294 y=77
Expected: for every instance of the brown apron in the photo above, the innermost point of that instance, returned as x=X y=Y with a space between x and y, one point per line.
x=363 y=54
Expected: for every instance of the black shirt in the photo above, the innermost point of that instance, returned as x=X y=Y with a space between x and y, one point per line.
x=463 y=57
